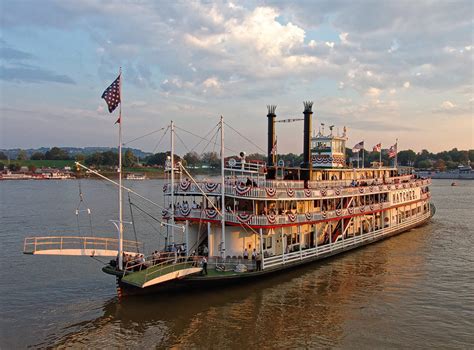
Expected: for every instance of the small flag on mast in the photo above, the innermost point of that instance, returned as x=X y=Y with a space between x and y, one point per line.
x=112 y=96
x=274 y=148
x=392 y=152
x=377 y=147
x=358 y=147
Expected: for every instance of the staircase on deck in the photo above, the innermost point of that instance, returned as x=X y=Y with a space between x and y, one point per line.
x=139 y=275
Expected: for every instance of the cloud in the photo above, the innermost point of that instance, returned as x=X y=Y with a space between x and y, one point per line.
x=32 y=74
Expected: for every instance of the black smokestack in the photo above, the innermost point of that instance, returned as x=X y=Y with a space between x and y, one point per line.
x=308 y=113
x=271 y=135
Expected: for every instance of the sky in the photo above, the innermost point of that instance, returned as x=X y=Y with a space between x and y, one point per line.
x=384 y=69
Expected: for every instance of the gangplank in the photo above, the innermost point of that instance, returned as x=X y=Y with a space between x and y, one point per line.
x=78 y=246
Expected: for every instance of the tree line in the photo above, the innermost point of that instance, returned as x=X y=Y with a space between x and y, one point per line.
x=445 y=160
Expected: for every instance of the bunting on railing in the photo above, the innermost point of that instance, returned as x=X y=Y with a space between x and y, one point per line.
x=361 y=189
x=244 y=217
x=323 y=192
x=185 y=210
x=165 y=214
x=308 y=216
x=241 y=189
x=271 y=191
x=324 y=214
x=338 y=212
x=291 y=217
x=362 y=209
x=350 y=210
x=211 y=186
x=308 y=192
x=271 y=219
x=211 y=213
x=184 y=184
x=290 y=192
x=337 y=191
x=371 y=207
x=165 y=187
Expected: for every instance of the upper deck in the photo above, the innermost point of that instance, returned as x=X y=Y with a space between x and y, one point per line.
x=292 y=190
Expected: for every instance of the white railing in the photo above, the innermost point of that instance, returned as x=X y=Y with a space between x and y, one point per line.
x=282 y=259
x=281 y=219
x=272 y=191
x=33 y=245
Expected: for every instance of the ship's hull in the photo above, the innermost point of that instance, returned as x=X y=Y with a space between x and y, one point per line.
x=199 y=282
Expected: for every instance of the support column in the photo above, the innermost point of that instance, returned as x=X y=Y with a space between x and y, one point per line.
x=261 y=247
x=301 y=241
x=187 y=237
x=209 y=241
x=282 y=246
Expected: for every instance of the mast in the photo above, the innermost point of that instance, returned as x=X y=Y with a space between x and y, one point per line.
x=222 y=189
x=172 y=182
x=120 y=243
x=396 y=153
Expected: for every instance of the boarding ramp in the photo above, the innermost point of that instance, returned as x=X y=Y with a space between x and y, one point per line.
x=78 y=246
x=144 y=275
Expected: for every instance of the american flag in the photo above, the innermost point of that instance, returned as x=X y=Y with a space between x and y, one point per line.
x=392 y=152
x=274 y=149
x=377 y=147
x=111 y=95
x=358 y=147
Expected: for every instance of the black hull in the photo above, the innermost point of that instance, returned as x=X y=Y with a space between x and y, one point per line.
x=196 y=283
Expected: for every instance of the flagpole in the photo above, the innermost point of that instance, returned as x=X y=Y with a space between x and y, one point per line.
x=363 y=159
x=120 y=245
x=396 y=153
x=380 y=155
x=358 y=159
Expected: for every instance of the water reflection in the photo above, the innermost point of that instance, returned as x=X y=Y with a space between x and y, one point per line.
x=306 y=307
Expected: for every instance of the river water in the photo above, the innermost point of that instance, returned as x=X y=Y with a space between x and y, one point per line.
x=415 y=290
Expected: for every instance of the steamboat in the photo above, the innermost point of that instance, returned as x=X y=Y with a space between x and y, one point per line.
x=257 y=219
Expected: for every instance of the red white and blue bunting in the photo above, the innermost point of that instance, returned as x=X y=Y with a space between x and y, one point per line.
x=165 y=214
x=337 y=191
x=185 y=210
x=244 y=217
x=324 y=214
x=323 y=192
x=361 y=189
x=211 y=213
x=338 y=212
x=241 y=189
x=308 y=192
x=271 y=219
x=362 y=209
x=290 y=192
x=308 y=216
x=291 y=217
x=210 y=186
x=350 y=210
x=165 y=187
x=184 y=184
x=271 y=192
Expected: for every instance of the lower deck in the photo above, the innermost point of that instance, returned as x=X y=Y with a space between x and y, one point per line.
x=223 y=270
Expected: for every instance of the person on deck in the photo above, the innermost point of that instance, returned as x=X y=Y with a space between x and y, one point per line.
x=258 y=261
x=205 y=251
x=204 y=265
x=246 y=254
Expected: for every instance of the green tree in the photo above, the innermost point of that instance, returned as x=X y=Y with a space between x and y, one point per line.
x=14 y=167
x=2 y=166
x=440 y=165
x=22 y=155
x=3 y=156
x=56 y=153
x=211 y=159
x=129 y=159
x=37 y=156
x=192 y=158
x=424 y=164
x=406 y=157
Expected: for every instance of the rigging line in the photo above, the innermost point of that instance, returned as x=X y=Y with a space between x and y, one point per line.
x=250 y=141
x=179 y=138
x=161 y=139
x=195 y=135
x=133 y=222
x=210 y=141
x=204 y=139
x=149 y=215
x=140 y=137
